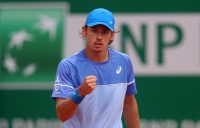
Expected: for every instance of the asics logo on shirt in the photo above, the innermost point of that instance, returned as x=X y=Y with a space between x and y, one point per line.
x=119 y=69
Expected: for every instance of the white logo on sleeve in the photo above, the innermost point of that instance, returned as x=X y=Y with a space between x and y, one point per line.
x=57 y=80
x=56 y=87
x=119 y=69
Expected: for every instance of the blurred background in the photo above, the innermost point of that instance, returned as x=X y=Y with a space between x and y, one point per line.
x=161 y=37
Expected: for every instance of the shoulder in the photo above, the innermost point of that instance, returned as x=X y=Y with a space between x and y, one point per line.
x=72 y=60
x=119 y=55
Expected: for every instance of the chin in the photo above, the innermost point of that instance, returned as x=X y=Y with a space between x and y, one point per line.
x=98 y=50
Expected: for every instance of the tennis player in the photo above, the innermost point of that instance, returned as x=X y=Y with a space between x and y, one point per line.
x=95 y=86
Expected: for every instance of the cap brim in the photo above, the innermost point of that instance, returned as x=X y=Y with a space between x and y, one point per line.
x=98 y=23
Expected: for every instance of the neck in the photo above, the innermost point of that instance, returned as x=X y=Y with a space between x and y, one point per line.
x=97 y=56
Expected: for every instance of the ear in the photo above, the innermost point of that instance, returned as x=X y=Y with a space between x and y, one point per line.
x=84 y=31
x=112 y=36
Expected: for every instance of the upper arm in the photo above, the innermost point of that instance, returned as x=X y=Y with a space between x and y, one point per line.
x=131 y=82
x=63 y=85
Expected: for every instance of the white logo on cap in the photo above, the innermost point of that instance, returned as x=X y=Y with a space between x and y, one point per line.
x=110 y=22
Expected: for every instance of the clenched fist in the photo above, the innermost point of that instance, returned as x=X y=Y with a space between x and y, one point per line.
x=89 y=84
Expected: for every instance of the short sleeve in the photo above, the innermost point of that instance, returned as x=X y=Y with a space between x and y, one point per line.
x=63 y=85
x=131 y=83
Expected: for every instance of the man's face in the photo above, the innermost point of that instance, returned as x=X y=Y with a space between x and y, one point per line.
x=97 y=38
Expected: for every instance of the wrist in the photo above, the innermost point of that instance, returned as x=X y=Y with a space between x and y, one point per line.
x=75 y=96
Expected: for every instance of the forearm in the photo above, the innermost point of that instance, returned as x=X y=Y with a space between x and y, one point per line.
x=65 y=108
x=131 y=112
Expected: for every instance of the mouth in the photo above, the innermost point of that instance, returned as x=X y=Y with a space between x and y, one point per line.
x=98 y=44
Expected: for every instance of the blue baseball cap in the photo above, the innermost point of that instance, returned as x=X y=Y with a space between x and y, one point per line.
x=101 y=16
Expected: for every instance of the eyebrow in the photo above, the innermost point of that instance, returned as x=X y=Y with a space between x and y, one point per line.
x=105 y=28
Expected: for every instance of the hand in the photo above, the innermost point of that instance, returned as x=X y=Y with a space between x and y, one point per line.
x=89 y=84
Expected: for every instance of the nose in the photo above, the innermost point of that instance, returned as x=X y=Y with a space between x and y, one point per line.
x=99 y=35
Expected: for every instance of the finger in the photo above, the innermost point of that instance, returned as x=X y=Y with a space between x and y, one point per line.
x=93 y=87
x=91 y=77
x=91 y=80
x=91 y=84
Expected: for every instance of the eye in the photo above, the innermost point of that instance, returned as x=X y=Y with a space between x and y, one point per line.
x=94 y=30
x=104 y=32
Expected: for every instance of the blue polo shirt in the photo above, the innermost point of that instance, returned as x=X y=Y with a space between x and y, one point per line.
x=103 y=107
